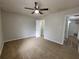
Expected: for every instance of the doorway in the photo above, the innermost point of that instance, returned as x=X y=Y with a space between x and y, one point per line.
x=72 y=32
x=40 y=24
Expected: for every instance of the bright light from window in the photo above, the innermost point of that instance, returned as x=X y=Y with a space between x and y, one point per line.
x=72 y=17
x=36 y=11
x=69 y=22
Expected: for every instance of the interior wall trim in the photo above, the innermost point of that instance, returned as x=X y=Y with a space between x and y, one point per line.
x=1 y=48
x=18 y=38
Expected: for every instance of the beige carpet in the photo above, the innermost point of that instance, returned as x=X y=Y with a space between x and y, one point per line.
x=37 y=49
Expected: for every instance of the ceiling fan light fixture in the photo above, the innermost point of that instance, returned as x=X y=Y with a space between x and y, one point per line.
x=36 y=11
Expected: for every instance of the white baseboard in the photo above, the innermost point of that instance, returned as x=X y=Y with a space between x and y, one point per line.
x=1 y=48
x=18 y=38
x=13 y=40
x=54 y=41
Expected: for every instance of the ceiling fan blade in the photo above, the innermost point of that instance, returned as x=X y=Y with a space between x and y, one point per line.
x=36 y=5
x=76 y=15
x=44 y=9
x=33 y=12
x=40 y=12
x=29 y=8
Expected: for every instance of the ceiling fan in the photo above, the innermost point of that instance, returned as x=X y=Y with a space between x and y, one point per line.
x=36 y=9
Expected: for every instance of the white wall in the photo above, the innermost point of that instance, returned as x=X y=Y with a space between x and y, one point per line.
x=78 y=36
x=78 y=32
x=1 y=43
x=55 y=25
x=17 y=26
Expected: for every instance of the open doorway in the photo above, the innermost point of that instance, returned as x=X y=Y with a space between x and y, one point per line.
x=72 y=32
x=40 y=24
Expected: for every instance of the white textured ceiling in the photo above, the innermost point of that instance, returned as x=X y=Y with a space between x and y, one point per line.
x=53 y=5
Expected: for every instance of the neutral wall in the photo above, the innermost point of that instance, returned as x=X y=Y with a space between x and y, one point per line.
x=1 y=43
x=17 y=26
x=78 y=32
x=55 y=25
